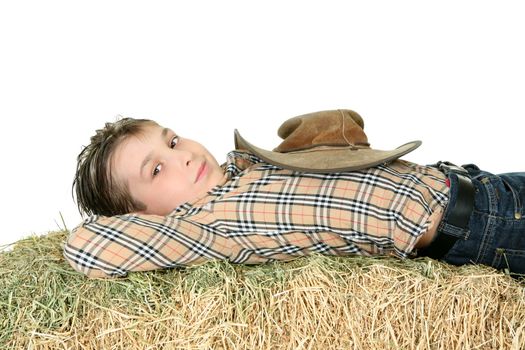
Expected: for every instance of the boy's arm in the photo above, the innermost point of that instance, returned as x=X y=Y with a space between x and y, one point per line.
x=113 y=246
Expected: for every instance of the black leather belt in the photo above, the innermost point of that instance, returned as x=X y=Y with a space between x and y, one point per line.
x=458 y=216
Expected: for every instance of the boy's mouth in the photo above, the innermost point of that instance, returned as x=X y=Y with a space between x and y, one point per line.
x=202 y=171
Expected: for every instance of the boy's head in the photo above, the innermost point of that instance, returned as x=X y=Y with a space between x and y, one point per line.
x=137 y=166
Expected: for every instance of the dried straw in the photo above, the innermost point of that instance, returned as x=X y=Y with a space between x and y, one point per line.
x=316 y=302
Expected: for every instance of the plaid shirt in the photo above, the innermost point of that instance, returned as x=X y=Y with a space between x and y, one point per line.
x=262 y=213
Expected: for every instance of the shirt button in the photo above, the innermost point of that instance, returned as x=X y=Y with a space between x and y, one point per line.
x=517 y=216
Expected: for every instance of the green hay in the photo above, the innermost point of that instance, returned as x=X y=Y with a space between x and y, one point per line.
x=312 y=302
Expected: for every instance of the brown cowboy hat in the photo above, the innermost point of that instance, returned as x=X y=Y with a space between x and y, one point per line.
x=326 y=141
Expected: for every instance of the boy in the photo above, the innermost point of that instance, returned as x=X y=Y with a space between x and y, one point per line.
x=158 y=200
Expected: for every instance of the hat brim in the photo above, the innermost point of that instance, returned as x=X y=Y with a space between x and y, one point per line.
x=326 y=159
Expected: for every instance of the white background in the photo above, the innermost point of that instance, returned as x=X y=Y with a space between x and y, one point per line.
x=450 y=73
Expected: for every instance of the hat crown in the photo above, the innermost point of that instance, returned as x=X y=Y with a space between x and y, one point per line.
x=324 y=142
x=340 y=127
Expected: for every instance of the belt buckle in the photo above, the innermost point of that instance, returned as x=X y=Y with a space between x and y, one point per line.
x=448 y=167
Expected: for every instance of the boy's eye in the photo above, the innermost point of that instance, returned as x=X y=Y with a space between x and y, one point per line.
x=174 y=141
x=157 y=169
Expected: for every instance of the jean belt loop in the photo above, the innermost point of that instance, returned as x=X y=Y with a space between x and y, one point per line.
x=458 y=215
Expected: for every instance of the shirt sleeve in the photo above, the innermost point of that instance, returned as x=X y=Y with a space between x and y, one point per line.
x=113 y=246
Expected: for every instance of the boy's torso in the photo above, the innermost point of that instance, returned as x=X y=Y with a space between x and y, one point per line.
x=379 y=210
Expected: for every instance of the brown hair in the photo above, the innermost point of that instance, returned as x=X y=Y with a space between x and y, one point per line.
x=96 y=190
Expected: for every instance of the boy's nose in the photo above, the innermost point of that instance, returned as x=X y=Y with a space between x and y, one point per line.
x=184 y=158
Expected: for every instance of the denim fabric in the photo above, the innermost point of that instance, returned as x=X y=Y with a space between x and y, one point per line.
x=496 y=234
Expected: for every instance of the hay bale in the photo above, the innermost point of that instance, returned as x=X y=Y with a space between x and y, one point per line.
x=315 y=302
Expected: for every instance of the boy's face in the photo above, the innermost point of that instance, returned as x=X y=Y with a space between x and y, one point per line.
x=163 y=170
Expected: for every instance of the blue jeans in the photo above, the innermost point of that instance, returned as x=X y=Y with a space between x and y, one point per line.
x=496 y=233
